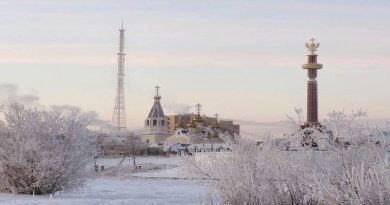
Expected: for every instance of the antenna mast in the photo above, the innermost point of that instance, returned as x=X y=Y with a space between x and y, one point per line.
x=119 y=117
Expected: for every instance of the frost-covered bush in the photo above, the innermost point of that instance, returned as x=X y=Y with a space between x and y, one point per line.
x=42 y=152
x=355 y=174
x=250 y=175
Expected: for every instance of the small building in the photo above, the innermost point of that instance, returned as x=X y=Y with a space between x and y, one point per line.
x=155 y=128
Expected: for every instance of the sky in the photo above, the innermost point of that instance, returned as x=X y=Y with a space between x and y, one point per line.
x=241 y=59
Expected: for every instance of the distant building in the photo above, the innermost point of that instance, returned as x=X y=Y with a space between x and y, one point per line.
x=174 y=120
x=156 y=126
x=200 y=130
x=160 y=130
x=182 y=136
x=183 y=120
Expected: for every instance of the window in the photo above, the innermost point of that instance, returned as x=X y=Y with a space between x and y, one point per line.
x=147 y=141
x=154 y=122
x=162 y=123
x=147 y=123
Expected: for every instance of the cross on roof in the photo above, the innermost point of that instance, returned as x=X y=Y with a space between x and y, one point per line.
x=198 y=107
x=157 y=90
x=216 y=116
x=312 y=40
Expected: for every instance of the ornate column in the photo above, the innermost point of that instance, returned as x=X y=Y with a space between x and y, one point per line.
x=312 y=94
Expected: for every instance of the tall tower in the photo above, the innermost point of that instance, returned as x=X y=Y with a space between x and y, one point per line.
x=119 y=116
x=312 y=94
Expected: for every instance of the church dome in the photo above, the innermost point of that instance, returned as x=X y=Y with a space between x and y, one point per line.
x=157 y=111
x=179 y=125
x=191 y=124
x=216 y=125
x=216 y=122
x=198 y=119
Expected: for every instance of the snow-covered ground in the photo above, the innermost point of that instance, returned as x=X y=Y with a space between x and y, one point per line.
x=165 y=183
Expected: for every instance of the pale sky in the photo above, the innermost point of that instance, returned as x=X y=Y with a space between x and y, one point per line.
x=241 y=59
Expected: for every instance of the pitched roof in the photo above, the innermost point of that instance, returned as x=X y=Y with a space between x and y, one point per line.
x=156 y=111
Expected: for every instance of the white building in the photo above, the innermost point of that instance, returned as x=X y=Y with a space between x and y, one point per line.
x=182 y=136
x=155 y=129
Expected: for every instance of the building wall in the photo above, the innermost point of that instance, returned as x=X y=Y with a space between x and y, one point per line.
x=148 y=138
x=226 y=125
x=236 y=128
x=152 y=139
x=171 y=123
x=175 y=119
x=157 y=125
x=178 y=138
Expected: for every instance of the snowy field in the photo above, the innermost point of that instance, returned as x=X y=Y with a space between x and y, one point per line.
x=165 y=183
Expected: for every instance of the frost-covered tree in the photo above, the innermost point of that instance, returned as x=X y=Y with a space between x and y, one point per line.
x=355 y=174
x=134 y=144
x=42 y=152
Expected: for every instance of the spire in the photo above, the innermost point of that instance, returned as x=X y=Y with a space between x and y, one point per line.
x=156 y=111
x=157 y=96
x=157 y=90
x=156 y=122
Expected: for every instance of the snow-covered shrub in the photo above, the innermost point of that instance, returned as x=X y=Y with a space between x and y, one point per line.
x=353 y=179
x=355 y=174
x=252 y=175
x=42 y=152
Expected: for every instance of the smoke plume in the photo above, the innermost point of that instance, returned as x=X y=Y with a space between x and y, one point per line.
x=177 y=108
x=11 y=94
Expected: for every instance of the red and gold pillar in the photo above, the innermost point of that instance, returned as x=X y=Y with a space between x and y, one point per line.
x=312 y=92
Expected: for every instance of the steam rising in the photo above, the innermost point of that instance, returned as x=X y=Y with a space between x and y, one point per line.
x=177 y=108
x=11 y=94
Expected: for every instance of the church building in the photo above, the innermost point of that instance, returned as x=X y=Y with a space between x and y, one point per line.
x=156 y=126
x=197 y=131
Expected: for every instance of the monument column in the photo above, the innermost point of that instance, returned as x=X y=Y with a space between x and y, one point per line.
x=312 y=93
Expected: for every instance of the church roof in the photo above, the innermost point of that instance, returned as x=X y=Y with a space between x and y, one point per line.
x=157 y=110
